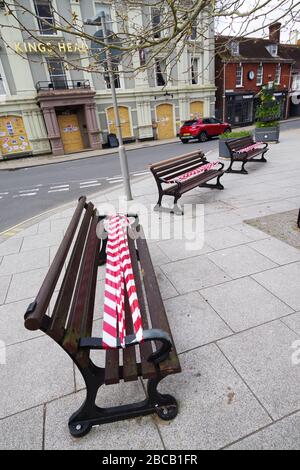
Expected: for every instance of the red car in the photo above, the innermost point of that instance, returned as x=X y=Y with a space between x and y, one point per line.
x=202 y=129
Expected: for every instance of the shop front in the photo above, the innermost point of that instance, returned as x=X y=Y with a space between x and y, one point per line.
x=70 y=117
x=239 y=109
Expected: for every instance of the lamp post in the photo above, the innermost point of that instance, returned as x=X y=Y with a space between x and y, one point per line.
x=100 y=20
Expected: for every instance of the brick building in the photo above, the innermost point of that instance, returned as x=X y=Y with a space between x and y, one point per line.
x=243 y=65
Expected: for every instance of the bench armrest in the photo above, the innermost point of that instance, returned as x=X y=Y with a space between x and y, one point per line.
x=130 y=340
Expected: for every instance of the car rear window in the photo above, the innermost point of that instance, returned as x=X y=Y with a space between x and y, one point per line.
x=190 y=123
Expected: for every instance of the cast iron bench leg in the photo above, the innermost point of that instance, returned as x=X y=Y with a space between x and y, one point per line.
x=89 y=414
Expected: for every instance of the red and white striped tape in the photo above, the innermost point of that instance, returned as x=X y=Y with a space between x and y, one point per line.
x=196 y=171
x=250 y=147
x=119 y=276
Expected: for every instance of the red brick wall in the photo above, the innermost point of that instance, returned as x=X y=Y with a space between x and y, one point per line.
x=250 y=85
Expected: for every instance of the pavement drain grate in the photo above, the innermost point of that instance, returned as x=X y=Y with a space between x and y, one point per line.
x=282 y=226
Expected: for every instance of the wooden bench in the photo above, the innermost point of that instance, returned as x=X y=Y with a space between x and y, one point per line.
x=71 y=322
x=236 y=146
x=173 y=168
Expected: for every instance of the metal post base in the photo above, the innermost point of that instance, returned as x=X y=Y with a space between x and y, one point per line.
x=89 y=415
x=176 y=209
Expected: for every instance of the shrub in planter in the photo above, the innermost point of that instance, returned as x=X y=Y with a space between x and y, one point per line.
x=226 y=137
x=267 y=116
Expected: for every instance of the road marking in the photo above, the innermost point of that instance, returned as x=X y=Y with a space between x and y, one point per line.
x=29 y=190
x=4 y=194
x=60 y=186
x=114 y=178
x=141 y=174
x=89 y=182
x=1 y=197
x=25 y=195
x=58 y=190
x=116 y=181
x=90 y=185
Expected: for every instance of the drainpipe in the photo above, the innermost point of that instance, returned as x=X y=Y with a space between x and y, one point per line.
x=288 y=104
x=224 y=88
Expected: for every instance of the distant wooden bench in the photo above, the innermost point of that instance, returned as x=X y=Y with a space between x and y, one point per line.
x=239 y=153
x=168 y=172
x=71 y=322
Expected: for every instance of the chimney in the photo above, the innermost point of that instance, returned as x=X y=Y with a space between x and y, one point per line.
x=274 y=32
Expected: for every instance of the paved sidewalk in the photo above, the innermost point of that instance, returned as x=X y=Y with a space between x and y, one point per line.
x=233 y=306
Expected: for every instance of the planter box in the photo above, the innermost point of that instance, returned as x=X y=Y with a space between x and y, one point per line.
x=267 y=134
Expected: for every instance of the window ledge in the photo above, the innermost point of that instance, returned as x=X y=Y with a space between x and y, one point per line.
x=239 y=86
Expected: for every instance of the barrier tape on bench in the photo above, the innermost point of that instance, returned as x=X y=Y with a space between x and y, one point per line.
x=194 y=172
x=119 y=276
x=249 y=148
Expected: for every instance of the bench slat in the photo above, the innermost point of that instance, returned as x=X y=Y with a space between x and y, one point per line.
x=33 y=320
x=190 y=183
x=170 y=167
x=112 y=367
x=171 y=161
x=148 y=369
x=80 y=304
x=174 y=172
x=156 y=307
x=62 y=305
x=130 y=372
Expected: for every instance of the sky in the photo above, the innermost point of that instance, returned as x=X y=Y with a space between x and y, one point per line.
x=286 y=11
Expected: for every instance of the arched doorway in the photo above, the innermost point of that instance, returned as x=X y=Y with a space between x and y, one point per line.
x=165 y=121
x=196 y=109
x=124 y=119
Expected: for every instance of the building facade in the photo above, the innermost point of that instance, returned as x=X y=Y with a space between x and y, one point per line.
x=47 y=106
x=243 y=65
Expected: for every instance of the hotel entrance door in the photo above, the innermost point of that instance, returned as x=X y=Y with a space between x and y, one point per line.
x=70 y=133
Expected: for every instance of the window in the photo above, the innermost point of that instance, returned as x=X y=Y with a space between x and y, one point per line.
x=45 y=17
x=156 y=22
x=194 y=71
x=239 y=76
x=57 y=73
x=194 y=31
x=235 y=48
x=99 y=7
x=260 y=75
x=296 y=82
x=160 y=72
x=273 y=49
x=277 y=74
x=116 y=75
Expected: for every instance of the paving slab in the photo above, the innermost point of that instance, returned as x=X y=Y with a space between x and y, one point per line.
x=42 y=240
x=25 y=285
x=167 y=290
x=181 y=249
x=23 y=262
x=4 y=284
x=293 y=322
x=193 y=322
x=244 y=304
x=240 y=261
x=276 y=250
x=134 y=434
x=283 y=435
x=194 y=274
x=12 y=323
x=36 y=371
x=215 y=406
x=283 y=282
x=10 y=246
x=225 y=238
x=263 y=358
x=23 y=431
x=250 y=232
